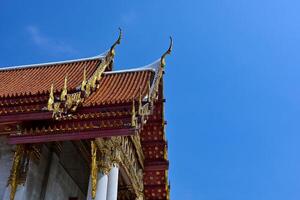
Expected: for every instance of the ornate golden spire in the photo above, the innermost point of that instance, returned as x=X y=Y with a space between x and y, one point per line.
x=159 y=73
x=168 y=52
x=65 y=90
x=70 y=102
x=51 y=99
x=93 y=81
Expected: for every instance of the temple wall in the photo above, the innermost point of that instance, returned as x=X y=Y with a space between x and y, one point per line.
x=6 y=156
x=46 y=177
x=32 y=188
x=36 y=176
x=60 y=184
x=75 y=165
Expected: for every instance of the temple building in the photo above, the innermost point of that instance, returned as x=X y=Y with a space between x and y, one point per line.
x=80 y=130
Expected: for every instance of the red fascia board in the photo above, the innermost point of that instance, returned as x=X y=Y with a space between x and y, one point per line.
x=25 y=139
x=25 y=117
x=45 y=115
x=156 y=165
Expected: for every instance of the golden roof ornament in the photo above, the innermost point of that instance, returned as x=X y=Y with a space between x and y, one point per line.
x=168 y=52
x=51 y=99
x=65 y=90
x=133 y=115
x=93 y=81
x=118 y=41
x=70 y=102
x=15 y=171
x=83 y=84
x=157 y=79
x=149 y=91
x=140 y=101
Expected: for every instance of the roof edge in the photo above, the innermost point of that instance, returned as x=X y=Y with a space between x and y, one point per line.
x=53 y=63
x=151 y=67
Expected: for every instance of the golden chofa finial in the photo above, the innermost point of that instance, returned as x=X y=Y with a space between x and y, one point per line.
x=118 y=41
x=51 y=99
x=168 y=52
x=65 y=90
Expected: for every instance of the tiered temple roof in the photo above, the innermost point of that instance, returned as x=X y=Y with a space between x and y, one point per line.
x=85 y=99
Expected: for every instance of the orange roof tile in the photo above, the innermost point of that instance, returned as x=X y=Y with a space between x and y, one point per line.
x=121 y=87
x=38 y=78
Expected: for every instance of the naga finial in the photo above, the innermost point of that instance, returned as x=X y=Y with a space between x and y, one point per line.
x=118 y=41
x=162 y=60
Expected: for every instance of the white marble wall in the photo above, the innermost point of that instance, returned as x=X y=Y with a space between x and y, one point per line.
x=32 y=188
x=60 y=184
x=6 y=156
x=36 y=175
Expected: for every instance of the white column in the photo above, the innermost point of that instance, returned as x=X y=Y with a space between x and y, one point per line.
x=89 y=193
x=112 y=188
x=101 y=186
x=19 y=195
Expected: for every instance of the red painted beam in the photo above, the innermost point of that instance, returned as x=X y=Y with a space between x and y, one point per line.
x=24 y=139
x=45 y=115
x=154 y=143
x=156 y=165
x=25 y=117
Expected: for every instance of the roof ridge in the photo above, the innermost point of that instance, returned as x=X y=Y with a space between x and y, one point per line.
x=151 y=67
x=52 y=63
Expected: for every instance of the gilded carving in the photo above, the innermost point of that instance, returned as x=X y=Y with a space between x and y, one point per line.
x=124 y=151
x=15 y=171
x=133 y=115
x=64 y=91
x=51 y=99
x=156 y=81
x=131 y=164
x=94 y=169
x=168 y=52
x=69 y=102
x=83 y=84
x=20 y=165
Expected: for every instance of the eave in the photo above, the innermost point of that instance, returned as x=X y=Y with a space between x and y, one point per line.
x=79 y=135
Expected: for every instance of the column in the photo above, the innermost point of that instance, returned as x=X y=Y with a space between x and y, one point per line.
x=107 y=166
x=99 y=173
x=89 y=192
x=112 y=189
x=101 y=186
x=101 y=190
x=18 y=195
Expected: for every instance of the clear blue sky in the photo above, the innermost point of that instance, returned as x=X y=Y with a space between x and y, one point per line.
x=232 y=83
